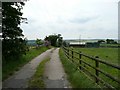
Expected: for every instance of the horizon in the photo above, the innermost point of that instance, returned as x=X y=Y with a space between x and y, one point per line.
x=82 y=39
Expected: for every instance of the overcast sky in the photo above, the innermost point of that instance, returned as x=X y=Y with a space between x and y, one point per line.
x=71 y=18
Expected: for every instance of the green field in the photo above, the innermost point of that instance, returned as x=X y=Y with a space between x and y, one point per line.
x=110 y=45
x=14 y=65
x=109 y=55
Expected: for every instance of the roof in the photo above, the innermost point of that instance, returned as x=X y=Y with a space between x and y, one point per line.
x=76 y=43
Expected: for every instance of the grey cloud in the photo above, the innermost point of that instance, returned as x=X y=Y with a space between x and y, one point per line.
x=84 y=19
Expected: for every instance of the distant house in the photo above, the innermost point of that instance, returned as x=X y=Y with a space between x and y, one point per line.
x=84 y=44
x=77 y=44
x=92 y=44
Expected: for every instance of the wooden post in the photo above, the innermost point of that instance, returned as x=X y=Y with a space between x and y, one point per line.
x=72 y=54
x=80 y=62
x=96 y=71
x=68 y=53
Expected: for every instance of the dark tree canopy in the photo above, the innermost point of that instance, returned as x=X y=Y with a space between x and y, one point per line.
x=13 y=40
x=55 y=40
x=39 y=42
x=101 y=41
x=111 y=41
x=11 y=19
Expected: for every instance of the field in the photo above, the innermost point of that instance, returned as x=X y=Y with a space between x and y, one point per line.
x=109 y=45
x=109 y=55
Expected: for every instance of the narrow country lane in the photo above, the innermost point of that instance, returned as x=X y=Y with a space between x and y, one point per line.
x=20 y=79
x=54 y=75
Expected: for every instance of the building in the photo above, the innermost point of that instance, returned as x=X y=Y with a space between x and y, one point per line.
x=92 y=44
x=84 y=44
x=77 y=44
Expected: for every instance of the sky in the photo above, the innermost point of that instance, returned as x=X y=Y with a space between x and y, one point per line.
x=88 y=19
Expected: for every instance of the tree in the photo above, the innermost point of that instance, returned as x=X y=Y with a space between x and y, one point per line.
x=111 y=41
x=39 y=42
x=14 y=43
x=59 y=40
x=64 y=43
x=54 y=39
x=101 y=41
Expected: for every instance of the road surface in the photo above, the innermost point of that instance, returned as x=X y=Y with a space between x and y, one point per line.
x=54 y=75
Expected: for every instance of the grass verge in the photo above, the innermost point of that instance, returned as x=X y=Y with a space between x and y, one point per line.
x=37 y=79
x=14 y=65
x=76 y=78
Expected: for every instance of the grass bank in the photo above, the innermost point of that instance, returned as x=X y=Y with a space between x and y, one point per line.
x=76 y=78
x=14 y=65
x=37 y=79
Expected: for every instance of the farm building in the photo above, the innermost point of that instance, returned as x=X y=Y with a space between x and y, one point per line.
x=92 y=44
x=77 y=44
x=84 y=44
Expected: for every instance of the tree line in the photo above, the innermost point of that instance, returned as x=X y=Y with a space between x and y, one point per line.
x=108 y=41
x=13 y=41
x=53 y=40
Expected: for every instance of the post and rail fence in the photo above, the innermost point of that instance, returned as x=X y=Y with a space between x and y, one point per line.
x=70 y=53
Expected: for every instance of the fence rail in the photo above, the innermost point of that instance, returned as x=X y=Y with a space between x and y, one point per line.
x=70 y=53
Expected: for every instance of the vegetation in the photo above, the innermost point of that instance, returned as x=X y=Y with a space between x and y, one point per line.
x=76 y=78
x=39 y=42
x=14 y=43
x=37 y=79
x=107 y=41
x=55 y=40
x=108 y=54
x=101 y=41
x=110 y=41
x=109 y=45
x=59 y=41
x=65 y=43
x=11 y=66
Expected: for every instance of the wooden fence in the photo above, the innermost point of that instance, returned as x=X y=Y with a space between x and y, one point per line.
x=70 y=53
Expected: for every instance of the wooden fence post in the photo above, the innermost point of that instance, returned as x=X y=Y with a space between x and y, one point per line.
x=80 y=62
x=68 y=53
x=72 y=54
x=96 y=71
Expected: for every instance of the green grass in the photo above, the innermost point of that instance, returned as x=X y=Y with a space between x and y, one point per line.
x=76 y=78
x=109 y=55
x=14 y=65
x=37 y=79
